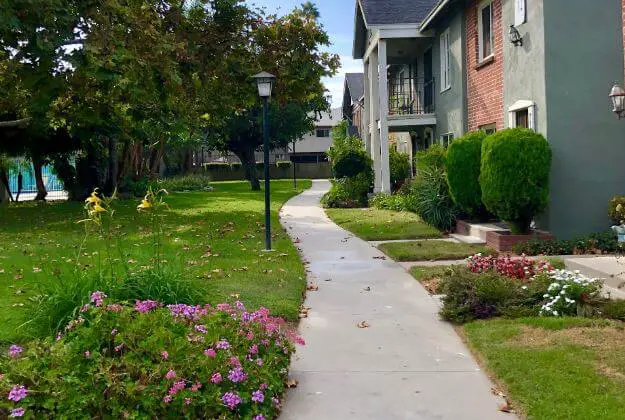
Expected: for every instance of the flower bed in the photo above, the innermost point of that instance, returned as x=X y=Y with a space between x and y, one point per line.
x=146 y=360
x=501 y=286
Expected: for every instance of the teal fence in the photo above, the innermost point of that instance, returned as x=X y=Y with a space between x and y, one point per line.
x=53 y=184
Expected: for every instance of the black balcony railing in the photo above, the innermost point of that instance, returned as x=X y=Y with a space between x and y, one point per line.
x=411 y=96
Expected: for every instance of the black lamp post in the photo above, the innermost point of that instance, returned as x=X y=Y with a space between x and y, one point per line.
x=265 y=81
x=515 y=36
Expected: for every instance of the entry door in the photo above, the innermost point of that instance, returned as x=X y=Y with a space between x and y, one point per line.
x=428 y=88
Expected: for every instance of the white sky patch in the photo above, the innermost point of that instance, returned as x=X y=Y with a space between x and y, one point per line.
x=335 y=84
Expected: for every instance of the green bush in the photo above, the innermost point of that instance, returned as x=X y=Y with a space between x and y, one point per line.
x=284 y=164
x=515 y=176
x=429 y=197
x=614 y=310
x=190 y=182
x=432 y=158
x=464 y=158
x=136 y=188
x=616 y=209
x=142 y=360
x=470 y=296
x=216 y=166
x=351 y=162
x=348 y=192
x=236 y=166
x=395 y=202
x=400 y=168
x=596 y=243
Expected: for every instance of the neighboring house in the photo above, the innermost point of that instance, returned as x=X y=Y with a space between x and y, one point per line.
x=353 y=102
x=451 y=68
x=312 y=148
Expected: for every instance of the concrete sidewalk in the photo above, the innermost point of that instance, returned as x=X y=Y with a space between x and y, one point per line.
x=406 y=364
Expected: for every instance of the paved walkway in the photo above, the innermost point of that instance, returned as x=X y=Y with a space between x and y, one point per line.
x=406 y=364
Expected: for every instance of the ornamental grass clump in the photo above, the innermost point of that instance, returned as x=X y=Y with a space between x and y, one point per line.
x=150 y=360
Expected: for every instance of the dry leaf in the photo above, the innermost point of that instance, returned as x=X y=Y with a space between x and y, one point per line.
x=379 y=258
x=292 y=383
x=312 y=287
x=505 y=407
x=367 y=289
x=363 y=324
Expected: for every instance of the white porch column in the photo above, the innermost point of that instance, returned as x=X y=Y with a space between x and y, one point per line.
x=383 y=139
x=366 y=112
x=374 y=106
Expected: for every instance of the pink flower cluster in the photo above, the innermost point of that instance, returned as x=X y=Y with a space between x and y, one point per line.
x=145 y=306
x=15 y=351
x=522 y=268
x=192 y=313
x=98 y=298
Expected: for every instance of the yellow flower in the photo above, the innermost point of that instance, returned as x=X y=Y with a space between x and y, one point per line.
x=619 y=208
x=145 y=204
x=97 y=208
x=93 y=198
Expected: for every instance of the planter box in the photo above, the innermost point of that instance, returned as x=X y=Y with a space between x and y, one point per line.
x=463 y=228
x=504 y=241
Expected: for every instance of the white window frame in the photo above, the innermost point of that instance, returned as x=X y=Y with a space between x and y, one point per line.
x=523 y=105
x=447 y=136
x=520 y=12
x=445 y=58
x=480 y=31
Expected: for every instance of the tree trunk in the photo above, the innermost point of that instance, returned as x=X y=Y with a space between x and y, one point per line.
x=5 y=190
x=41 y=187
x=113 y=167
x=187 y=165
x=248 y=160
x=156 y=158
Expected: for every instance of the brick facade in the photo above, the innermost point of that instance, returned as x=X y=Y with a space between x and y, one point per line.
x=485 y=80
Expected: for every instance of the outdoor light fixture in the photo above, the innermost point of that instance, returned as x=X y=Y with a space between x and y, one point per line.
x=618 y=100
x=515 y=36
x=265 y=81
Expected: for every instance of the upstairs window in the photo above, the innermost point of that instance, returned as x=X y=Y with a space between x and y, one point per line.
x=323 y=132
x=445 y=53
x=485 y=30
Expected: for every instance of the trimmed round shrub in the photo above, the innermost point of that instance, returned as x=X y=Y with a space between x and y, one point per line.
x=515 y=176
x=616 y=209
x=400 y=168
x=149 y=361
x=464 y=157
x=351 y=162
x=285 y=164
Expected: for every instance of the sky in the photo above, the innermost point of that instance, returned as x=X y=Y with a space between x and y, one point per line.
x=337 y=17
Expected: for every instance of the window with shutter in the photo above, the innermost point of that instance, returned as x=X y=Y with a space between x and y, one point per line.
x=445 y=56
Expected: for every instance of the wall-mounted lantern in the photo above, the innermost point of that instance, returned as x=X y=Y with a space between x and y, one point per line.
x=515 y=36
x=618 y=100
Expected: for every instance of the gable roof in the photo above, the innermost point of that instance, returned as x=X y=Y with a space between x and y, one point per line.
x=393 y=12
x=355 y=82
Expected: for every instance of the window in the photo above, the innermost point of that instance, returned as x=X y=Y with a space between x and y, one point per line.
x=323 y=132
x=488 y=128
x=446 y=139
x=445 y=54
x=485 y=30
x=520 y=16
x=522 y=114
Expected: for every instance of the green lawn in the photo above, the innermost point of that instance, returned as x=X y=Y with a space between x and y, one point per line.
x=217 y=236
x=556 y=368
x=431 y=250
x=381 y=225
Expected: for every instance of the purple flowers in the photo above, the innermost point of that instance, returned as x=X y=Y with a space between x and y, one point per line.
x=216 y=378
x=18 y=393
x=258 y=396
x=164 y=355
x=223 y=345
x=15 y=351
x=176 y=387
x=259 y=417
x=237 y=375
x=170 y=374
x=167 y=399
x=201 y=329
x=210 y=352
x=192 y=313
x=145 y=306
x=17 y=412
x=231 y=400
x=98 y=298
x=253 y=349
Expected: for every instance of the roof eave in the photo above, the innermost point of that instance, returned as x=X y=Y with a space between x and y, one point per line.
x=434 y=14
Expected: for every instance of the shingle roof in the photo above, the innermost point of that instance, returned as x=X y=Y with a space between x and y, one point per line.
x=388 y=12
x=356 y=85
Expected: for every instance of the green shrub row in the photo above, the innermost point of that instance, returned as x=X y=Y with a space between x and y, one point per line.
x=597 y=243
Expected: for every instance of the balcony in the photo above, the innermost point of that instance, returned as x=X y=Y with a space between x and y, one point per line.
x=410 y=97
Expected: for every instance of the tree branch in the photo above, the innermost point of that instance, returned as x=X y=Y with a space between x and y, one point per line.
x=16 y=123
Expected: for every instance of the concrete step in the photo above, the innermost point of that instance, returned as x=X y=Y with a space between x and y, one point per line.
x=473 y=240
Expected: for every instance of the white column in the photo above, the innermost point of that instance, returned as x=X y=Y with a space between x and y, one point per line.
x=366 y=112
x=383 y=94
x=374 y=90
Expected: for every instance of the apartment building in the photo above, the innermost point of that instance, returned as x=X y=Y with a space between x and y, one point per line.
x=436 y=69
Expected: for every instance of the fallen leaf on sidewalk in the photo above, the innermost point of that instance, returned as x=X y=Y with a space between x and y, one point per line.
x=367 y=289
x=497 y=392
x=506 y=408
x=292 y=383
x=303 y=313
x=363 y=324
x=328 y=280
x=379 y=258
x=312 y=287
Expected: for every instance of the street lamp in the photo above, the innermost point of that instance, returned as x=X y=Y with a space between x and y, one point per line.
x=618 y=100
x=265 y=82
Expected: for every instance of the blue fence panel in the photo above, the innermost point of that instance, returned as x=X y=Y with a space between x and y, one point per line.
x=53 y=184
